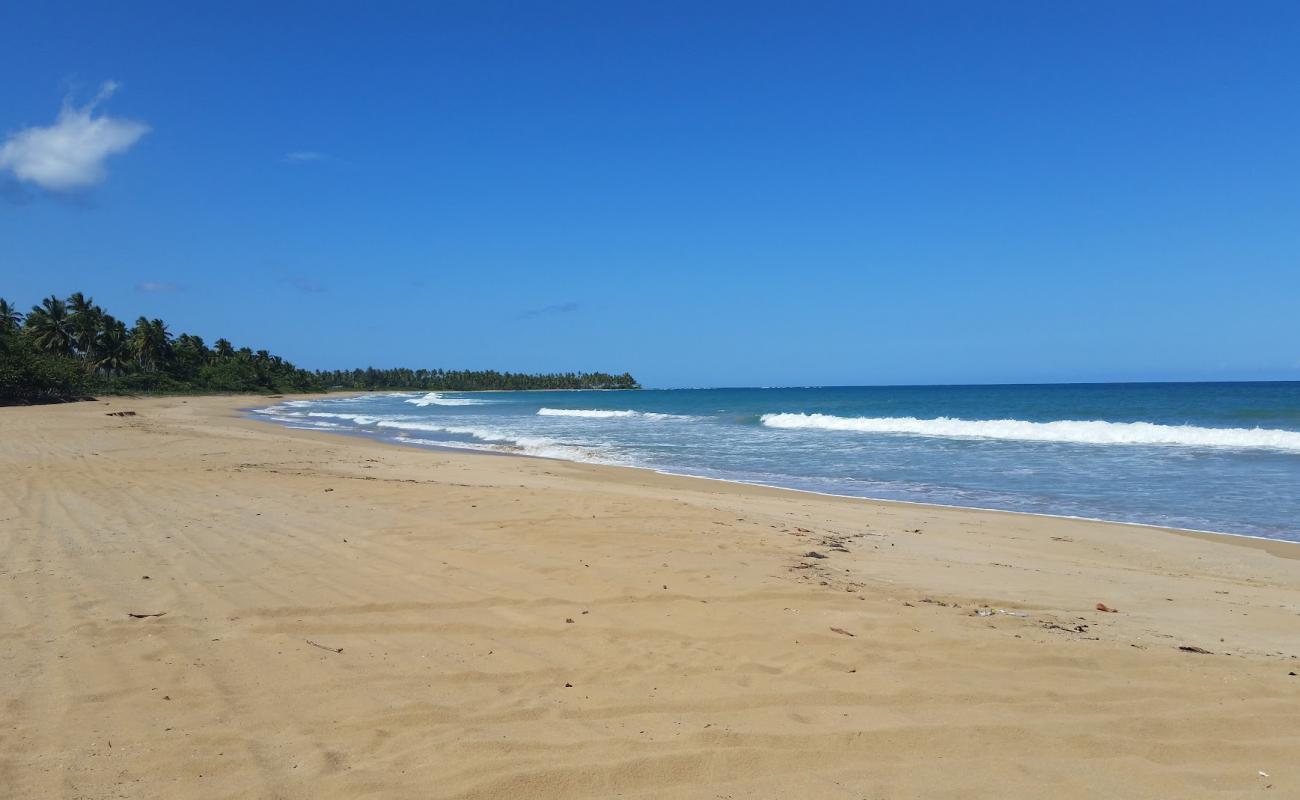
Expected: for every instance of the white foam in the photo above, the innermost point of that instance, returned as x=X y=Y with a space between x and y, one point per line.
x=360 y=419
x=432 y=427
x=475 y=446
x=436 y=399
x=1068 y=431
x=591 y=413
x=600 y=413
x=499 y=440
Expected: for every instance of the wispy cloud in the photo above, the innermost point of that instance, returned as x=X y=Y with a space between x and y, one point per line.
x=156 y=287
x=549 y=311
x=304 y=157
x=70 y=154
x=305 y=285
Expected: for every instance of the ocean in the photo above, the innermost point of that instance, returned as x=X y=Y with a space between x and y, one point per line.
x=1221 y=457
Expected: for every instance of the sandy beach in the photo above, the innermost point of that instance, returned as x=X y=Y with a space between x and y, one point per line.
x=194 y=604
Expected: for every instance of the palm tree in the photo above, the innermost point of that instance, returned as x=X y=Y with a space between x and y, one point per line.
x=189 y=354
x=162 y=339
x=85 y=321
x=10 y=317
x=223 y=349
x=150 y=342
x=49 y=326
x=112 y=352
x=138 y=341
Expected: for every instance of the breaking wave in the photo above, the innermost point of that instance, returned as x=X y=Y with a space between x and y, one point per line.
x=436 y=399
x=1066 y=431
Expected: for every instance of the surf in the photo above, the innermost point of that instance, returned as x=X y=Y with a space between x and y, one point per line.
x=1092 y=432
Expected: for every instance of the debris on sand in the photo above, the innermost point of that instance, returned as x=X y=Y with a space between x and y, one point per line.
x=1106 y=608
x=324 y=647
x=842 y=631
x=143 y=616
x=1052 y=626
x=815 y=554
x=1186 y=648
x=120 y=414
x=988 y=612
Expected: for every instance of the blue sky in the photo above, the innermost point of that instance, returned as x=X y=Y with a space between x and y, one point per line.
x=703 y=194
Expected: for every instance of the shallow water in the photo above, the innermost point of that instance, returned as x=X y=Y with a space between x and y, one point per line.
x=1220 y=457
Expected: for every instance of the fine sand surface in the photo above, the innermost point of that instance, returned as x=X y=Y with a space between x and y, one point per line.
x=524 y=628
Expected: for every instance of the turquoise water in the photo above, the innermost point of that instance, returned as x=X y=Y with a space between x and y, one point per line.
x=1219 y=457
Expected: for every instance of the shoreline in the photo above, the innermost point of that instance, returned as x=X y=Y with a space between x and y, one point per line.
x=1287 y=549
x=343 y=616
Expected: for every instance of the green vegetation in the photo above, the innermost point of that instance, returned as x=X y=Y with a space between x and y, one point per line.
x=438 y=380
x=67 y=349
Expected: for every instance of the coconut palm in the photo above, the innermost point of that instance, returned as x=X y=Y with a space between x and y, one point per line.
x=189 y=354
x=112 y=353
x=78 y=303
x=222 y=350
x=162 y=338
x=49 y=326
x=85 y=320
x=58 y=329
x=150 y=342
x=10 y=317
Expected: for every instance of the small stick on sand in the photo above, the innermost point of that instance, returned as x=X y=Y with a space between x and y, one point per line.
x=323 y=647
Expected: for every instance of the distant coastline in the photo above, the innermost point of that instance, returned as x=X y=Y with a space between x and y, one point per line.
x=71 y=349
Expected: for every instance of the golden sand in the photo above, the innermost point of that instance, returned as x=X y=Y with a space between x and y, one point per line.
x=343 y=619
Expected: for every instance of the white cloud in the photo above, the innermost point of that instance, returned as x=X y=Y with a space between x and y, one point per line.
x=153 y=287
x=70 y=154
x=303 y=156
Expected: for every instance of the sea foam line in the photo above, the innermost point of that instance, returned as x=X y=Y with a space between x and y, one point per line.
x=436 y=399
x=600 y=413
x=499 y=440
x=1066 y=431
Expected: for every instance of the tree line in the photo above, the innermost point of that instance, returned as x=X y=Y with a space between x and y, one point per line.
x=439 y=380
x=68 y=348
